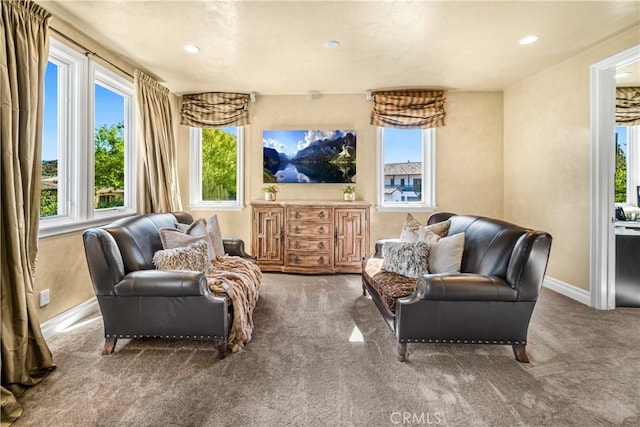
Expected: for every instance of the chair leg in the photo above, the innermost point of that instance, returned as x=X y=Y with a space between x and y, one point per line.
x=364 y=290
x=109 y=346
x=402 y=352
x=520 y=351
x=222 y=349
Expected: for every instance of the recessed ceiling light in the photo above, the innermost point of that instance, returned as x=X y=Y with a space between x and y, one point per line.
x=332 y=44
x=528 y=40
x=623 y=74
x=191 y=48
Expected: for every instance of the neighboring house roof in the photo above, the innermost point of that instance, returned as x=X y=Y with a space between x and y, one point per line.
x=109 y=190
x=50 y=183
x=408 y=168
x=390 y=190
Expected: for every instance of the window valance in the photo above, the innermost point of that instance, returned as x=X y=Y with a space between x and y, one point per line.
x=628 y=106
x=408 y=109
x=215 y=109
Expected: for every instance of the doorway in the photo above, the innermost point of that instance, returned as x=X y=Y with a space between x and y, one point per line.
x=602 y=240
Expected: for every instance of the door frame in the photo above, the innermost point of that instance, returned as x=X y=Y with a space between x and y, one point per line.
x=602 y=164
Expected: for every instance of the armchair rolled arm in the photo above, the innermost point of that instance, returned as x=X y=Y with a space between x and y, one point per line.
x=379 y=244
x=464 y=287
x=166 y=283
x=235 y=247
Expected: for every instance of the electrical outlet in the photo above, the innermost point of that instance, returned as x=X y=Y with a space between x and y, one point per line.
x=44 y=297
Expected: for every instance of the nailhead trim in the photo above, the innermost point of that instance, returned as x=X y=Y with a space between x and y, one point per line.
x=161 y=336
x=457 y=341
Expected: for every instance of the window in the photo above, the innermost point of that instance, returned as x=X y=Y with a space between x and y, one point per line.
x=216 y=172
x=113 y=141
x=407 y=157
x=627 y=176
x=75 y=153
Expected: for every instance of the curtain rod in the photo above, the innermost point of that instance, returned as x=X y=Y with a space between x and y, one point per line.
x=89 y=51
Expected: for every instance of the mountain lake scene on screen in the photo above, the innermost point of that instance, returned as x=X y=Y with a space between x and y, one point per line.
x=309 y=156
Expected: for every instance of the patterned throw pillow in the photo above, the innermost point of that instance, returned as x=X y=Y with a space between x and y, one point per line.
x=174 y=238
x=445 y=253
x=412 y=228
x=406 y=258
x=193 y=257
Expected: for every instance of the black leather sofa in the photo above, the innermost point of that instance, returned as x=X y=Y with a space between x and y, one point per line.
x=489 y=302
x=136 y=300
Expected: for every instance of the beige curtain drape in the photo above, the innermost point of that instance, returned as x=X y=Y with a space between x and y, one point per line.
x=408 y=109
x=158 y=189
x=24 y=51
x=628 y=106
x=215 y=109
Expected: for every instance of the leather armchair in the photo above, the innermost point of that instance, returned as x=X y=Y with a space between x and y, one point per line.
x=136 y=300
x=489 y=302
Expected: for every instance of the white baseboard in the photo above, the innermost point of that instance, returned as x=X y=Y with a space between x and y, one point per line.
x=54 y=326
x=568 y=290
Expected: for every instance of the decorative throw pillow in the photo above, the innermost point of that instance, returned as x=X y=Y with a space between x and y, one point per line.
x=193 y=257
x=412 y=228
x=445 y=253
x=406 y=258
x=182 y=227
x=440 y=228
x=213 y=227
x=173 y=238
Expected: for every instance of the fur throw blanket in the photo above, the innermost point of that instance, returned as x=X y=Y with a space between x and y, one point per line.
x=239 y=279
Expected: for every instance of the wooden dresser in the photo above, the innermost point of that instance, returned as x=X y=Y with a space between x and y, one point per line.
x=310 y=237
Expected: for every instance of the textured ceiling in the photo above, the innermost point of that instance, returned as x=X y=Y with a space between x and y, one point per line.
x=278 y=47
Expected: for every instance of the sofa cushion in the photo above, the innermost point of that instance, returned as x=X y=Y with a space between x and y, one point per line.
x=138 y=239
x=412 y=228
x=488 y=244
x=213 y=227
x=175 y=237
x=445 y=253
x=193 y=257
x=389 y=286
x=406 y=258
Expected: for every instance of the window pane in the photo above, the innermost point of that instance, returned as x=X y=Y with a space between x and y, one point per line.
x=621 y=165
x=219 y=164
x=49 y=184
x=109 y=148
x=402 y=165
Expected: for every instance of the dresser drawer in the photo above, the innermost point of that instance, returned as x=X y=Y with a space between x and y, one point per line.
x=306 y=244
x=309 y=214
x=317 y=259
x=309 y=229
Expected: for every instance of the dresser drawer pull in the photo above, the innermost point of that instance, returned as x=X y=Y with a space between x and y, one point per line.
x=321 y=215
x=296 y=260
x=321 y=260
x=296 y=245
x=320 y=245
x=321 y=229
x=296 y=230
x=297 y=215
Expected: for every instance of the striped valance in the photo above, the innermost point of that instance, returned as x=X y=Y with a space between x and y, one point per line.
x=215 y=109
x=408 y=109
x=628 y=106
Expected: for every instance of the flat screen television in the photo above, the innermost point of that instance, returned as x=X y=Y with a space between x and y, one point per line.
x=309 y=156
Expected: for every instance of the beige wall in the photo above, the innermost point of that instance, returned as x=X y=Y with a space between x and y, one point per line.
x=62 y=268
x=546 y=156
x=469 y=156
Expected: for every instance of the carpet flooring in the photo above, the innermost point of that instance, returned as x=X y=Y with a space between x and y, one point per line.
x=321 y=355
